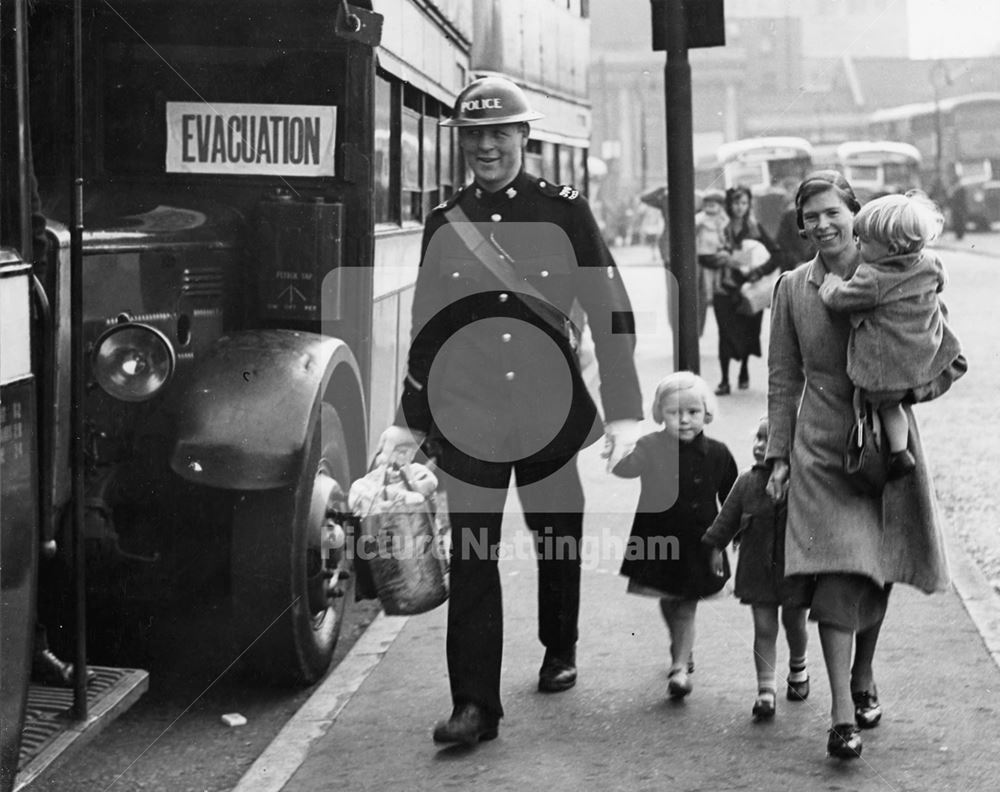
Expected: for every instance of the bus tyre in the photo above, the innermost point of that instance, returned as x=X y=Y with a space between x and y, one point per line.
x=290 y=575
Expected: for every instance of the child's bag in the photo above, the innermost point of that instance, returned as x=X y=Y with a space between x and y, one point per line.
x=403 y=539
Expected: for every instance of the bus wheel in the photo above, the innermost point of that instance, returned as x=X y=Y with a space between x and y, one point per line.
x=290 y=575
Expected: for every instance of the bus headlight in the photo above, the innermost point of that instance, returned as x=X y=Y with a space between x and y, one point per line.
x=133 y=362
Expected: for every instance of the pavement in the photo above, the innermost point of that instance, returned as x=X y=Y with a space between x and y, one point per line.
x=368 y=724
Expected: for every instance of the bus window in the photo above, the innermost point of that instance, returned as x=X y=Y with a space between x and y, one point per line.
x=533 y=158
x=580 y=174
x=382 y=154
x=445 y=137
x=566 y=174
x=862 y=173
x=410 y=154
x=550 y=162
x=430 y=173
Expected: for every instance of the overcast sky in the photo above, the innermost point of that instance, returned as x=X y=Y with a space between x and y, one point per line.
x=954 y=28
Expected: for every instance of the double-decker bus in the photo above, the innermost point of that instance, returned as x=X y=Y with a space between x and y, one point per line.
x=764 y=164
x=233 y=197
x=957 y=134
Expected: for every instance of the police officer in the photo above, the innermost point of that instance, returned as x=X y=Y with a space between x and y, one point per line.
x=494 y=382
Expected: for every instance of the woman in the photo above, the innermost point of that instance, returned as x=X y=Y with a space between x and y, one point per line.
x=739 y=334
x=854 y=545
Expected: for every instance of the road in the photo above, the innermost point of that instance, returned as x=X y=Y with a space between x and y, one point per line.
x=173 y=740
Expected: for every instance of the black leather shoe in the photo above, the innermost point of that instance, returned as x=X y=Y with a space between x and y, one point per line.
x=798 y=691
x=723 y=389
x=844 y=741
x=743 y=382
x=867 y=710
x=47 y=669
x=468 y=724
x=558 y=672
x=763 y=709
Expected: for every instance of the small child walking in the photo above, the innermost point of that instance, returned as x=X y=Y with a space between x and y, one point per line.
x=750 y=517
x=685 y=476
x=901 y=350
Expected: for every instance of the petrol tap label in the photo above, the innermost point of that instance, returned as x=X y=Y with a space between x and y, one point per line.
x=251 y=139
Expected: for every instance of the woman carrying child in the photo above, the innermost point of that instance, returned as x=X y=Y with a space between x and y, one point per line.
x=750 y=516
x=685 y=476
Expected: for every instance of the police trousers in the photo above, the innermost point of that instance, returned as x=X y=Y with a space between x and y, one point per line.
x=553 y=510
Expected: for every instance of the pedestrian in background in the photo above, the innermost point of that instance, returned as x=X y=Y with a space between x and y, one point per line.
x=739 y=334
x=958 y=202
x=793 y=243
x=901 y=348
x=494 y=382
x=709 y=240
x=657 y=200
x=750 y=518
x=685 y=475
x=852 y=546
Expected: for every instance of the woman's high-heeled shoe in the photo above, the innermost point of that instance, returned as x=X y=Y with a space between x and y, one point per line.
x=844 y=741
x=867 y=710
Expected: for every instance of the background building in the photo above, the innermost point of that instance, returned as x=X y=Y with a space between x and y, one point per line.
x=813 y=68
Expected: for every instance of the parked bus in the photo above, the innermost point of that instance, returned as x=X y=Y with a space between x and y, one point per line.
x=879 y=166
x=764 y=164
x=956 y=134
x=234 y=195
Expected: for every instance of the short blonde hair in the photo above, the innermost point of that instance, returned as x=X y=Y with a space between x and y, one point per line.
x=903 y=222
x=681 y=381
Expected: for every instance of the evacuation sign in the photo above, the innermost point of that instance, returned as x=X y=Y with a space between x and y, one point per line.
x=251 y=139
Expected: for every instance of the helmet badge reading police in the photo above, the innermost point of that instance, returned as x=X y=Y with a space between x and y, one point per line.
x=491 y=100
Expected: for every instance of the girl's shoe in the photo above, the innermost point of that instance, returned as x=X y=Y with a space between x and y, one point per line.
x=763 y=707
x=798 y=691
x=844 y=741
x=867 y=710
x=743 y=382
x=678 y=684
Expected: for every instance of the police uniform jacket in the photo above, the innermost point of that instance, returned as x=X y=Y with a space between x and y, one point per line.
x=485 y=369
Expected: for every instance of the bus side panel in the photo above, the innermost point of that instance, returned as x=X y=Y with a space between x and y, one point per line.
x=18 y=514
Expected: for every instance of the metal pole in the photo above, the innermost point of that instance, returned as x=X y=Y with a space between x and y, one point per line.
x=680 y=181
x=77 y=368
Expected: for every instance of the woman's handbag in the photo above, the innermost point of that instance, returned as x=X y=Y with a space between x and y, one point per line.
x=866 y=459
x=405 y=546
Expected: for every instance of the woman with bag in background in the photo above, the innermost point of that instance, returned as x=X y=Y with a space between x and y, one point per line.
x=851 y=545
x=739 y=332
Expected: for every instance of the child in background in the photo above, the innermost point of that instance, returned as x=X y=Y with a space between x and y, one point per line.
x=709 y=240
x=752 y=518
x=685 y=476
x=901 y=350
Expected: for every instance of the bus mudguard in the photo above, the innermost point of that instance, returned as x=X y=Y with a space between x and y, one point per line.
x=245 y=419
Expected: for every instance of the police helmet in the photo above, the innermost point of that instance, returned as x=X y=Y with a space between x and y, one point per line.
x=491 y=100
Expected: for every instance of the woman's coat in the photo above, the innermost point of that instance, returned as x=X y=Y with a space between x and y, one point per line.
x=831 y=527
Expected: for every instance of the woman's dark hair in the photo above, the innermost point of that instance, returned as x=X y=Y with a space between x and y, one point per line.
x=819 y=182
x=735 y=192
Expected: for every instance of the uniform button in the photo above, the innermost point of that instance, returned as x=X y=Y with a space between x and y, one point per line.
x=503 y=297
x=541 y=183
x=495 y=217
x=505 y=338
x=454 y=274
x=510 y=375
x=545 y=273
